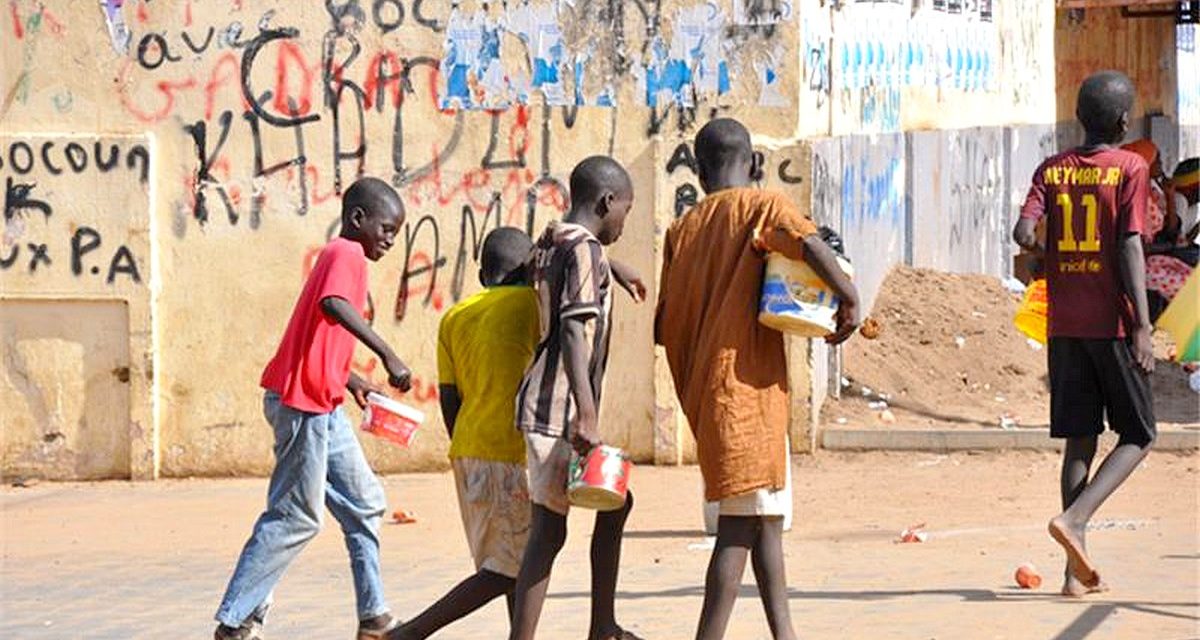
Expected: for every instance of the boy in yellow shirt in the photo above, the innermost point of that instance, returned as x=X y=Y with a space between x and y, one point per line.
x=484 y=345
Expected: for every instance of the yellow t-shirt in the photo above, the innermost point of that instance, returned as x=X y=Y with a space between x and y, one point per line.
x=485 y=344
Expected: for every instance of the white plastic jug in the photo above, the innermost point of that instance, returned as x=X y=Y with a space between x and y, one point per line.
x=795 y=300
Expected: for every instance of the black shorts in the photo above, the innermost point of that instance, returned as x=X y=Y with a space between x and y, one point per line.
x=1091 y=379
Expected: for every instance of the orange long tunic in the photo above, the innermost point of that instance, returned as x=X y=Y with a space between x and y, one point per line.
x=730 y=372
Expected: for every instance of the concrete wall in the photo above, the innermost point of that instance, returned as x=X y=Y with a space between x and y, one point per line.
x=245 y=119
x=1187 y=61
x=78 y=348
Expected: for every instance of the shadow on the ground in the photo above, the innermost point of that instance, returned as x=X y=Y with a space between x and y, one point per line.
x=1003 y=594
x=664 y=534
x=1095 y=615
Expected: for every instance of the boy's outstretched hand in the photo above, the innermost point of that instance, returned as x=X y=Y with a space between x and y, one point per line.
x=399 y=375
x=1143 y=349
x=629 y=280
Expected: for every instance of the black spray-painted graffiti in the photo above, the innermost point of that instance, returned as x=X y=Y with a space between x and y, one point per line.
x=83 y=241
x=786 y=176
x=17 y=200
x=55 y=157
x=48 y=159
x=687 y=195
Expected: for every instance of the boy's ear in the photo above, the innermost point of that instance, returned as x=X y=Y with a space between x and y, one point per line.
x=482 y=281
x=357 y=217
x=604 y=205
x=758 y=163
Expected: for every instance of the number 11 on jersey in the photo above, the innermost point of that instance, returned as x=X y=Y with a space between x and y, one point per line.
x=1091 y=241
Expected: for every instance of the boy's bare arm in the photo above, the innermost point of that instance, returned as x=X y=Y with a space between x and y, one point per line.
x=585 y=434
x=823 y=261
x=629 y=279
x=451 y=402
x=1025 y=234
x=1133 y=277
x=344 y=313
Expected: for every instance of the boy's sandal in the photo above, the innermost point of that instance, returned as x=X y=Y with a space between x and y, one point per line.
x=378 y=631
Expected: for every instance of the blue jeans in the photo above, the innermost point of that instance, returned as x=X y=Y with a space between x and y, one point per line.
x=317 y=460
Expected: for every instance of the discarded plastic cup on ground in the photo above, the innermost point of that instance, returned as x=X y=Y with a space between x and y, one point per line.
x=1027 y=576
x=915 y=533
x=391 y=420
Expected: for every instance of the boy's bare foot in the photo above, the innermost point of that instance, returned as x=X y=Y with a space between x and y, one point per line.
x=1073 y=588
x=1081 y=565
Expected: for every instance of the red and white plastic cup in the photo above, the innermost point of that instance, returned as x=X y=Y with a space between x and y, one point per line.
x=391 y=420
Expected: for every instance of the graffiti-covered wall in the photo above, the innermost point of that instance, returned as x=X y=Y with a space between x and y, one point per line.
x=172 y=169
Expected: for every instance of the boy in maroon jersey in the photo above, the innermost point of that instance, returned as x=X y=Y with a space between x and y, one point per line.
x=1094 y=199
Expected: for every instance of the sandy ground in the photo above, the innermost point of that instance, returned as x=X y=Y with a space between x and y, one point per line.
x=950 y=357
x=120 y=560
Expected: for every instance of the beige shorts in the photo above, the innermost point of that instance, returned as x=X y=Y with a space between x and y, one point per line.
x=494 y=500
x=548 y=458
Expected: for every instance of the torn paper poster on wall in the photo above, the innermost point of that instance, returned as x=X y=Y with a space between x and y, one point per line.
x=495 y=90
x=463 y=41
x=476 y=73
x=604 y=95
x=760 y=13
x=693 y=66
x=479 y=74
x=118 y=33
x=767 y=68
x=537 y=25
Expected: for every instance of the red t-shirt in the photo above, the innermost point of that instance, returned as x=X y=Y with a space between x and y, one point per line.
x=312 y=365
x=1092 y=199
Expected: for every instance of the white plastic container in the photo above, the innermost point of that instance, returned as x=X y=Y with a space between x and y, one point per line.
x=795 y=300
x=391 y=420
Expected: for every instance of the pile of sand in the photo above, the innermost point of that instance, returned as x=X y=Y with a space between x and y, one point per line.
x=949 y=356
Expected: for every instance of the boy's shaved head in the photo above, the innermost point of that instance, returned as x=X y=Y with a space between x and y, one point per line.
x=505 y=252
x=596 y=176
x=601 y=195
x=721 y=142
x=372 y=213
x=373 y=196
x=1104 y=102
x=725 y=156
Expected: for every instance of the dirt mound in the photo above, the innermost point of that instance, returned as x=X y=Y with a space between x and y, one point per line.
x=949 y=356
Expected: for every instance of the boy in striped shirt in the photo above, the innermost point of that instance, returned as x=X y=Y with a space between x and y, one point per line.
x=559 y=398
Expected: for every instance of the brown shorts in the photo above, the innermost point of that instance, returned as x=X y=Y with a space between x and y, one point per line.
x=494 y=500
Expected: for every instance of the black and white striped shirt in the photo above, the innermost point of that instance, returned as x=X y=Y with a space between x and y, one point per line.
x=573 y=280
